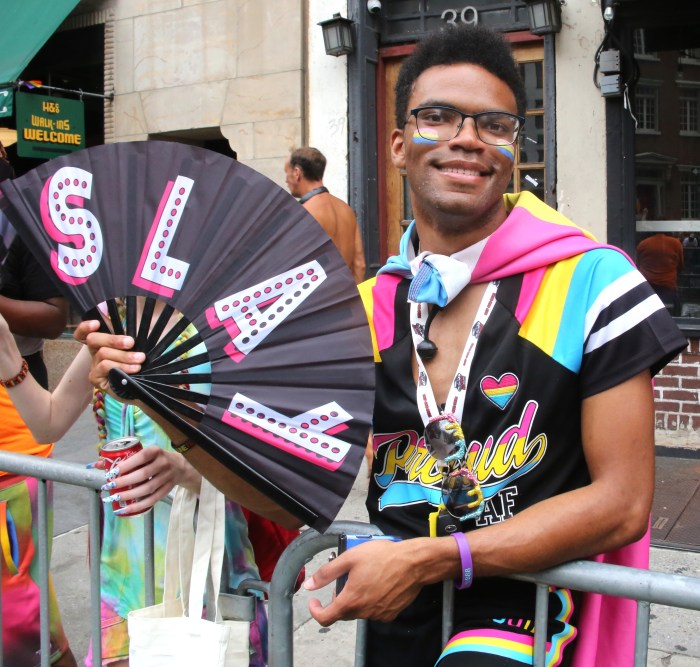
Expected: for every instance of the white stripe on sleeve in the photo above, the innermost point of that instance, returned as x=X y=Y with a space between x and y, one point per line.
x=624 y=323
x=609 y=294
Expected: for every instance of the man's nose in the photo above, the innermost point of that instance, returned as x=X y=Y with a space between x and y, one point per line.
x=467 y=134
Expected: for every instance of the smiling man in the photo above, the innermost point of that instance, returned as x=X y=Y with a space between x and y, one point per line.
x=508 y=346
x=514 y=414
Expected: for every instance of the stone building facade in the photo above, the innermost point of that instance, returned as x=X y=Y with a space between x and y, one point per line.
x=254 y=74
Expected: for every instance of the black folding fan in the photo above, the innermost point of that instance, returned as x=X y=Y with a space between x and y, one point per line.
x=256 y=339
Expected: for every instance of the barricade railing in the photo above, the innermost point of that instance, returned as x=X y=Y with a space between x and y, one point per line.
x=52 y=470
x=645 y=586
x=239 y=605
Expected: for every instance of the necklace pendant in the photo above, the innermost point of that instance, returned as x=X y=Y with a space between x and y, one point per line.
x=444 y=438
x=426 y=350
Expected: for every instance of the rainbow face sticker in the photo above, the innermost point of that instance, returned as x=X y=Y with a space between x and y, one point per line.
x=508 y=150
x=429 y=137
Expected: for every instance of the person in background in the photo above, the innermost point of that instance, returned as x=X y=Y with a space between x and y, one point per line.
x=304 y=175
x=34 y=310
x=659 y=259
x=690 y=241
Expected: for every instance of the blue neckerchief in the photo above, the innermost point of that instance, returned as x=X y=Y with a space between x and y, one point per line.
x=437 y=278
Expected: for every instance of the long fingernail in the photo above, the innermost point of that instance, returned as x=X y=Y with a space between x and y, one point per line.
x=112 y=499
x=112 y=473
x=108 y=486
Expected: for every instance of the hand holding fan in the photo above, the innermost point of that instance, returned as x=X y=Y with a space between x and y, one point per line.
x=256 y=341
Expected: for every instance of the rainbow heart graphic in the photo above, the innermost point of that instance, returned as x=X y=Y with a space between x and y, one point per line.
x=500 y=391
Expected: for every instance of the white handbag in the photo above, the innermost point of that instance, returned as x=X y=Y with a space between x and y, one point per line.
x=173 y=633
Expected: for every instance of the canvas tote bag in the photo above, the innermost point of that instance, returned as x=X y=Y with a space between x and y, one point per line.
x=173 y=633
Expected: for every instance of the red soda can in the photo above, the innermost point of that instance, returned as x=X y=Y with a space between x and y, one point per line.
x=115 y=451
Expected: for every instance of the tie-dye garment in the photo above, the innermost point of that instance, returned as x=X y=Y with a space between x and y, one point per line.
x=572 y=319
x=122 y=556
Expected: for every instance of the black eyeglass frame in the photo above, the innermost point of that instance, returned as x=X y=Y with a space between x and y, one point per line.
x=521 y=122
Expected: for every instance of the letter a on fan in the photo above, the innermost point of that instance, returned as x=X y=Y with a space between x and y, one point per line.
x=256 y=341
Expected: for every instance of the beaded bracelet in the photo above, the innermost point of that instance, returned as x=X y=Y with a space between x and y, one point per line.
x=465 y=557
x=183 y=447
x=17 y=379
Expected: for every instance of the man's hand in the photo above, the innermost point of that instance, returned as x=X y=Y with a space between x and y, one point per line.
x=108 y=351
x=383 y=578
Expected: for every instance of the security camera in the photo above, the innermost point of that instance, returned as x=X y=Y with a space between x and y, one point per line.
x=374 y=6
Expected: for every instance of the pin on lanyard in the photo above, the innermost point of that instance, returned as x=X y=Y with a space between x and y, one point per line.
x=425 y=397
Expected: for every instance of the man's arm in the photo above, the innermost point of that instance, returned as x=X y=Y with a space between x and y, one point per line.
x=39 y=319
x=30 y=302
x=110 y=351
x=611 y=511
x=359 y=266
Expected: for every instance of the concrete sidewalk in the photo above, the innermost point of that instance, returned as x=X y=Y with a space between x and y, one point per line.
x=674 y=638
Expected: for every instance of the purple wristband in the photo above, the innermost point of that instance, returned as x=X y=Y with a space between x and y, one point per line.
x=465 y=556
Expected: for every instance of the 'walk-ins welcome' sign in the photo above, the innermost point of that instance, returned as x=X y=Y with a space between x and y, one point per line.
x=49 y=126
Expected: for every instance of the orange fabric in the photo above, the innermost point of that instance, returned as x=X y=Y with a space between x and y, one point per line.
x=659 y=259
x=14 y=435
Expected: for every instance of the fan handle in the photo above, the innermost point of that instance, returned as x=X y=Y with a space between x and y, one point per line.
x=126 y=387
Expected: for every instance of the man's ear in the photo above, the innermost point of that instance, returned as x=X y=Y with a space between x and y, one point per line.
x=398 y=156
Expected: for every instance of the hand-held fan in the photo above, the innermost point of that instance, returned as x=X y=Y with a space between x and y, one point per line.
x=256 y=340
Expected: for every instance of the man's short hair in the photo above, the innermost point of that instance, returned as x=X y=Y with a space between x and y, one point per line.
x=471 y=45
x=311 y=162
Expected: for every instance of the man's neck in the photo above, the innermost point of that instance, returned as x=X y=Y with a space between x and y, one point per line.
x=307 y=186
x=437 y=242
x=312 y=192
x=436 y=237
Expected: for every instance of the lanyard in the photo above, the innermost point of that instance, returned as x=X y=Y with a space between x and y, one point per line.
x=425 y=397
x=312 y=193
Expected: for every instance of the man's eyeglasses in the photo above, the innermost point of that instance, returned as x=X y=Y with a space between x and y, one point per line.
x=444 y=124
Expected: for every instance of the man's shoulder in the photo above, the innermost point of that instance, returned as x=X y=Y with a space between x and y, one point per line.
x=339 y=202
x=330 y=210
x=325 y=199
x=603 y=260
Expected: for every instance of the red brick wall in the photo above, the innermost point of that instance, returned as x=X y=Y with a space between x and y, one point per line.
x=677 y=391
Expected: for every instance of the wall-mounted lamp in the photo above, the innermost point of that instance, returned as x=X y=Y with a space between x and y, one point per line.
x=608 y=7
x=337 y=36
x=545 y=16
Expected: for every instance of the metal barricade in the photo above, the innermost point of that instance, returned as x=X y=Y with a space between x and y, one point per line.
x=78 y=475
x=644 y=586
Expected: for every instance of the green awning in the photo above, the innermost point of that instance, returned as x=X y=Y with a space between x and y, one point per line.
x=26 y=25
